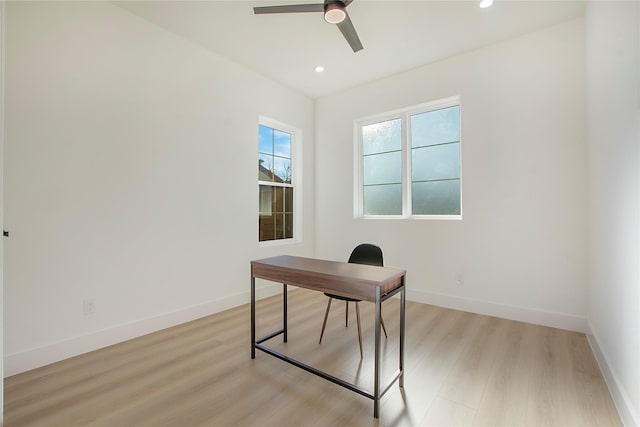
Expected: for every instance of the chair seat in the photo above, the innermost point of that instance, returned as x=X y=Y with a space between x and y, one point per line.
x=341 y=298
x=366 y=254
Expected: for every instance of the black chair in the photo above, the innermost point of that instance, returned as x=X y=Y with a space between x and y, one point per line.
x=368 y=254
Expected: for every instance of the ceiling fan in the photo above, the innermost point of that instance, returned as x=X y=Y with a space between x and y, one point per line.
x=335 y=12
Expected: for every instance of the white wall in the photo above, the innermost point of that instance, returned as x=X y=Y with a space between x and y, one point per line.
x=130 y=178
x=613 y=77
x=521 y=245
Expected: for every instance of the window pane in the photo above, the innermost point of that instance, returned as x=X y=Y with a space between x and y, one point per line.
x=382 y=137
x=435 y=162
x=383 y=199
x=279 y=225
x=283 y=199
x=284 y=226
x=288 y=226
x=288 y=199
x=435 y=127
x=267 y=228
x=265 y=167
x=265 y=139
x=282 y=170
x=436 y=198
x=382 y=168
x=266 y=200
x=281 y=143
x=276 y=213
x=278 y=200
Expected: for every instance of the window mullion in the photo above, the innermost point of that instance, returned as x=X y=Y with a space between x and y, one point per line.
x=406 y=166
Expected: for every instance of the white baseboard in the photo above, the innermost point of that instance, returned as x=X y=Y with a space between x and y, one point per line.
x=522 y=314
x=629 y=415
x=41 y=356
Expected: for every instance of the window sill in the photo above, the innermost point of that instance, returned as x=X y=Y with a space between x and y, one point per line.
x=279 y=242
x=413 y=217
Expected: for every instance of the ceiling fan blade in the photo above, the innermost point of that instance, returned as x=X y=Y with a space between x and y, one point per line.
x=349 y=32
x=347 y=2
x=292 y=8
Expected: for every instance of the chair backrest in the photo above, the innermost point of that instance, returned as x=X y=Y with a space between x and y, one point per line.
x=366 y=253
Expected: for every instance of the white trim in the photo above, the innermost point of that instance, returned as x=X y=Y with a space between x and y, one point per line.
x=618 y=394
x=41 y=356
x=414 y=217
x=275 y=184
x=278 y=242
x=427 y=106
x=552 y=319
x=357 y=171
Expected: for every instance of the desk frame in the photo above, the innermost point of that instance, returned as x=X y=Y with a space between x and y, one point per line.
x=329 y=276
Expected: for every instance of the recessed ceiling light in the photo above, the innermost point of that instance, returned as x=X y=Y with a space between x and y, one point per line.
x=319 y=69
x=486 y=3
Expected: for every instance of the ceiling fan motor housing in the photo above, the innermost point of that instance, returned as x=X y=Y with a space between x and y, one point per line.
x=334 y=11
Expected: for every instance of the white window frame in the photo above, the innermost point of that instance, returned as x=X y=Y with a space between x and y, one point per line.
x=405 y=115
x=296 y=181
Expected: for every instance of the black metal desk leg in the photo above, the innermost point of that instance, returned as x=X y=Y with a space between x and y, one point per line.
x=284 y=310
x=253 y=315
x=402 y=309
x=376 y=374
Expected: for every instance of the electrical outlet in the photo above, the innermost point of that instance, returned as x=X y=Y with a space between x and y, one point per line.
x=89 y=306
x=459 y=279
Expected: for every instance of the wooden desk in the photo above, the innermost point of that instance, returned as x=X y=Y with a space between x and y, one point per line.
x=365 y=282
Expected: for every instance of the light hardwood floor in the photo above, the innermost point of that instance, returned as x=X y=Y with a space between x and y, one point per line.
x=461 y=369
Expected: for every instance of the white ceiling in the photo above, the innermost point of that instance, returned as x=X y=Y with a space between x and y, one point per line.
x=397 y=35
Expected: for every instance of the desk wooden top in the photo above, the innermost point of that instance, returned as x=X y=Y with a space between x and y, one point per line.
x=351 y=280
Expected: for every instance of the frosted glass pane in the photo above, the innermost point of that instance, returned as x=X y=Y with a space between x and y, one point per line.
x=382 y=168
x=435 y=127
x=436 y=198
x=281 y=143
x=383 y=200
x=436 y=162
x=265 y=167
x=265 y=139
x=382 y=137
x=282 y=170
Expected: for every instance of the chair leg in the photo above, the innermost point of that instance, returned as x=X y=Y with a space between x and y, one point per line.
x=346 y=314
x=359 y=332
x=383 y=328
x=326 y=314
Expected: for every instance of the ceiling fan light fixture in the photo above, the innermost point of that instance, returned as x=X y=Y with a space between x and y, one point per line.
x=485 y=3
x=334 y=13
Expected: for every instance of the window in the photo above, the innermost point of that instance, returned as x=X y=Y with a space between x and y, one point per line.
x=276 y=181
x=409 y=162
